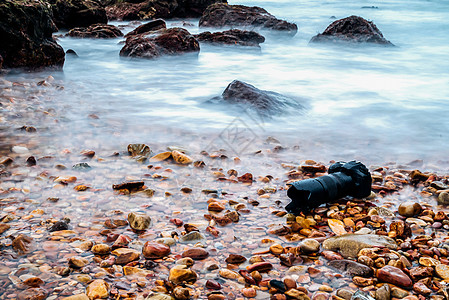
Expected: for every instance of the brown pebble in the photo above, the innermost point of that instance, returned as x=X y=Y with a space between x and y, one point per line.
x=235 y=259
x=153 y=250
x=196 y=253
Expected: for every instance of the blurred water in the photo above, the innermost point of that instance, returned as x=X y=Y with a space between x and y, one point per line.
x=372 y=103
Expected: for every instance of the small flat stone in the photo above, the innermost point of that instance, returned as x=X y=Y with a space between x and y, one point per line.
x=125 y=255
x=196 y=253
x=101 y=249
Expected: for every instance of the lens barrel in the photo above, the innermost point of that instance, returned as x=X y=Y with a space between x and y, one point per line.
x=344 y=179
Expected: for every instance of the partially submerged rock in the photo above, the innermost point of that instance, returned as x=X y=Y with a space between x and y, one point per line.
x=153 y=25
x=352 y=29
x=172 y=41
x=102 y=31
x=232 y=37
x=151 y=9
x=77 y=13
x=349 y=245
x=224 y=15
x=264 y=102
x=26 y=31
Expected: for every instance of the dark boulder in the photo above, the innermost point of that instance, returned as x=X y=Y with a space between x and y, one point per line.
x=152 y=9
x=77 y=13
x=26 y=38
x=172 y=41
x=232 y=37
x=264 y=102
x=71 y=52
x=102 y=31
x=352 y=29
x=127 y=11
x=224 y=15
x=147 y=27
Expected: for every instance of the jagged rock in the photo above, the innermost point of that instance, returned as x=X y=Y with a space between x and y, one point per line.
x=139 y=221
x=232 y=37
x=264 y=102
x=153 y=9
x=77 y=13
x=26 y=31
x=153 y=25
x=352 y=29
x=102 y=31
x=224 y=15
x=98 y=289
x=172 y=41
x=22 y=243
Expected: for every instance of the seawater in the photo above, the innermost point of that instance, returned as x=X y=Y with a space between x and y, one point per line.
x=371 y=103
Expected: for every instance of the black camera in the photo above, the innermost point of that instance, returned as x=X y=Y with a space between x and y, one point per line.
x=344 y=179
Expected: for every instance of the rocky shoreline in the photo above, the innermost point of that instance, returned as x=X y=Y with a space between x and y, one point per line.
x=27 y=27
x=157 y=222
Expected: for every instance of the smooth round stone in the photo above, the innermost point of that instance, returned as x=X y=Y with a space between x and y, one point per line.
x=437 y=225
x=309 y=246
x=101 y=249
x=409 y=209
x=443 y=198
x=394 y=276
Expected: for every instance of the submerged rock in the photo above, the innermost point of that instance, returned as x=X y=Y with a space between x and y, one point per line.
x=232 y=37
x=352 y=29
x=224 y=15
x=26 y=31
x=172 y=41
x=151 y=9
x=77 y=13
x=153 y=25
x=264 y=102
x=351 y=268
x=33 y=293
x=349 y=245
x=102 y=31
x=22 y=243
